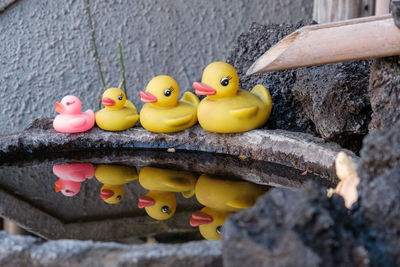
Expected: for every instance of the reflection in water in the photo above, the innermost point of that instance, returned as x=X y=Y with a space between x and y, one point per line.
x=114 y=177
x=221 y=198
x=168 y=190
x=71 y=176
x=160 y=201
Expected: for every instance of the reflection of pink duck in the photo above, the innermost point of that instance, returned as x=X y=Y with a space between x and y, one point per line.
x=71 y=119
x=71 y=176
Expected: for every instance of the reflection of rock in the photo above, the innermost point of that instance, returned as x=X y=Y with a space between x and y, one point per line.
x=335 y=98
x=88 y=253
x=292 y=228
x=384 y=92
x=329 y=100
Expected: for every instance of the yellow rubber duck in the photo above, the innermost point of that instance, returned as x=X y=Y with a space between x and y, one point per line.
x=114 y=177
x=228 y=109
x=119 y=113
x=160 y=202
x=163 y=113
x=221 y=198
x=159 y=205
x=210 y=222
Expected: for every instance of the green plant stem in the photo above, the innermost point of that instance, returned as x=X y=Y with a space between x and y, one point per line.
x=122 y=67
x=96 y=54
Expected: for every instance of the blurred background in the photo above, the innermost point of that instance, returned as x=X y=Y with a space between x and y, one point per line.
x=47 y=51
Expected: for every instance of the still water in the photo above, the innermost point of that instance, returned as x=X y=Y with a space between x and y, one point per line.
x=136 y=196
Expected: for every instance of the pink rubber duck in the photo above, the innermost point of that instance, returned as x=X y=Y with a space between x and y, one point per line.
x=71 y=119
x=71 y=176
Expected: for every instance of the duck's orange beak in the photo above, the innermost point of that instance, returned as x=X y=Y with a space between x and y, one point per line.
x=59 y=107
x=58 y=186
x=146 y=202
x=147 y=97
x=202 y=89
x=107 y=101
x=200 y=218
x=106 y=194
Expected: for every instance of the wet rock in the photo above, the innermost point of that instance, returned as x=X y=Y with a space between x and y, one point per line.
x=384 y=92
x=24 y=251
x=335 y=98
x=286 y=112
x=293 y=228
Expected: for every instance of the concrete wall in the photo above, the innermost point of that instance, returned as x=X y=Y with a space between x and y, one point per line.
x=46 y=50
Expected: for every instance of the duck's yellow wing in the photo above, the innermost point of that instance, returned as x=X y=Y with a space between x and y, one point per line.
x=262 y=92
x=244 y=113
x=179 y=121
x=190 y=98
x=242 y=203
x=177 y=182
x=134 y=117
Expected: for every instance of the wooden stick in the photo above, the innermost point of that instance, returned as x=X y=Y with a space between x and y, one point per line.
x=354 y=39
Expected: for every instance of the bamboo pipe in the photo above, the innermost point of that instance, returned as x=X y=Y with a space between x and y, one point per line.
x=348 y=40
x=382 y=7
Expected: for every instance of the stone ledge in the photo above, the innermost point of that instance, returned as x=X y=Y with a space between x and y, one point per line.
x=26 y=250
x=293 y=149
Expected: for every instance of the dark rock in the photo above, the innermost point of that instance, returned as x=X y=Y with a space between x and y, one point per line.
x=384 y=92
x=335 y=98
x=380 y=153
x=380 y=209
x=379 y=171
x=28 y=251
x=293 y=228
x=286 y=112
x=330 y=101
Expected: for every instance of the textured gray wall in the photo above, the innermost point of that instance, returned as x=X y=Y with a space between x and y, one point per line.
x=46 y=50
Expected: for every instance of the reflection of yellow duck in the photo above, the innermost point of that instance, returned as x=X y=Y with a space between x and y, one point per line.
x=227 y=195
x=159 y=205
x=163 y=113
x=119 y=113
x=228 y=109
x=113 y=177
x=160 y=202
x=221 y=198
x=210 y=222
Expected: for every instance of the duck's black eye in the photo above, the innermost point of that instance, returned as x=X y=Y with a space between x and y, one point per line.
x=219 y=229
x=225 y=81
x=118 y=197
x=120 y=97
x=164 y=209
x=167 y=92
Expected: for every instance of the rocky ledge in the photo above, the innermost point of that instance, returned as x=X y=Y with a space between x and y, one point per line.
x=293 y=149
x=25 y=250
